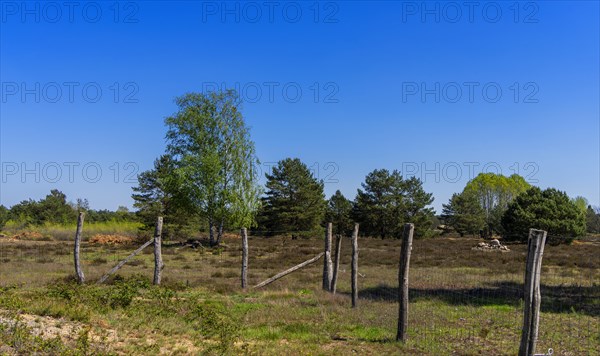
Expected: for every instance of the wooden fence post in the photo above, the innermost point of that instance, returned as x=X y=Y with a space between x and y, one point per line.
x=78 y=270
x=327 y=263
x=123 y=262
x=336 y=264
x=244 y=233
x=158 y=263
x=288 y=271
x=531 y=312
x=407 y=237
x=355 y=266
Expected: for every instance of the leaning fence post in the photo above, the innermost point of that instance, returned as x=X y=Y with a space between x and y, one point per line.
x=288 y=271
x=531 y=312
x=407 y=237
x=123 y=262
x=355 y=266
x=77 y=261
x=158 y=263
x=244 y=233
x=327 y=263
x=336 y=264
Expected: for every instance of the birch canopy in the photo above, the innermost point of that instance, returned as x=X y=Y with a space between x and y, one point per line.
x=216 y=159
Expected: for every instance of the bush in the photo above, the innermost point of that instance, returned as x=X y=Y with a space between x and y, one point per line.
x=215 y=320
x=549 y=210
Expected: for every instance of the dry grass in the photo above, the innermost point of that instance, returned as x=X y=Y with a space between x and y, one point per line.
x=112 y=239
x=462 y=301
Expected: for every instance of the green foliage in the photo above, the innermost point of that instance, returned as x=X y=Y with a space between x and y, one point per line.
x=214 y=159
x=294 y=200
x=53 y=209
x=494 y=192
x=120 y=294
x=581 y=203
x=4 y=216
x=215 y=320
x=388 y=201
x=158 y=194
x=102 y=216
x=123 y=291
x=592 y=218
x=464 y=214
x=338 y=212
x=549 y=210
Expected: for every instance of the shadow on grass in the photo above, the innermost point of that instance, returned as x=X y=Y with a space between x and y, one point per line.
x=556 y=299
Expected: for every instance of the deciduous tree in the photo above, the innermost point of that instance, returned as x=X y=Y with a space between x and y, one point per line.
x=494 y=192
x=215 y=159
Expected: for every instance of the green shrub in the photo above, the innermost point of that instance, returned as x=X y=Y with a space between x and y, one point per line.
x=215 y=320
x=550 y=210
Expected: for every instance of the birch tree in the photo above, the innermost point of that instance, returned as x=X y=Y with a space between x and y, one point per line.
x=216 y=159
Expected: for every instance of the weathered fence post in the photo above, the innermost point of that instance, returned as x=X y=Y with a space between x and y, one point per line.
x=355 y=266
x=78 y=270
x=123 y=262
x=244 y=233
x=336 y=264
x=327 y=263
x=158 y=263
x=407 y=237
x=531 y=313
x=288 y=271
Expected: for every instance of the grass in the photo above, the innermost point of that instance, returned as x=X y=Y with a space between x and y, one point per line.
x=66 y=232
x=461 y=301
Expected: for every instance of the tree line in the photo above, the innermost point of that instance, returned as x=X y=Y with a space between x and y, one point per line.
x=55 y=209
x=206 y=182
x=492 y=204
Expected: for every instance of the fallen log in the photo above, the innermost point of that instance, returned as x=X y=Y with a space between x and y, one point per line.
x=288 y=271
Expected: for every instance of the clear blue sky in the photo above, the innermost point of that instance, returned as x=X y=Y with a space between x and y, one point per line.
x=400 y=86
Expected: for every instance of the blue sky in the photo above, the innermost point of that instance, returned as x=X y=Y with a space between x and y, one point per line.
x=436 y=89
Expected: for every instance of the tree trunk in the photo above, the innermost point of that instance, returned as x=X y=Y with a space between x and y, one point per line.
x=211 y=233
x=220 y=233
x=158 y=263
x=78 y=270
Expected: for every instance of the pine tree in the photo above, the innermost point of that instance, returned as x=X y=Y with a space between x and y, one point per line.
x=464 y=214
x=158 y=194
x=338 y=213
x=294 y=201
x=387 y=201
x=592 y=220
x=549 y=210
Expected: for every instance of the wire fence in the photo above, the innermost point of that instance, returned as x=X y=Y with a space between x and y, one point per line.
x=461 y=297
